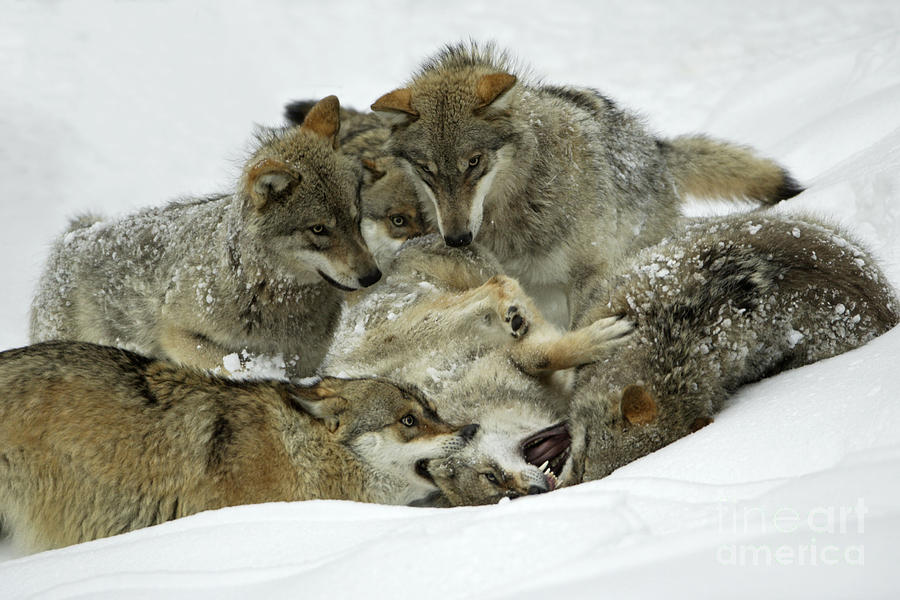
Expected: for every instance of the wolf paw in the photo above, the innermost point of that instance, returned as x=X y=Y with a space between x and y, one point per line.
x=612 y=330
x=517 y=320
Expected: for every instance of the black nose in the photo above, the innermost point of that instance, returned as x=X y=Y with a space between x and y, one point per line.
x=536 y=489
x=469 y=431
x=370 y=278
x=458 y=240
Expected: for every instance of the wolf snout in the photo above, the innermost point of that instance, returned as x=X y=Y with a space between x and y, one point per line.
x=370 y=278
x=468 y=432
x=536 y=489
x=460 y=240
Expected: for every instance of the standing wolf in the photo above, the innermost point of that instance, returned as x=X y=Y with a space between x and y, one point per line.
x=259 y=270
x=553 y=180
x=724 y=302
x=96 y=441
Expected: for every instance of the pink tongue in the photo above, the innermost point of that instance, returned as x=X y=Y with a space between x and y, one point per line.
x=550 y=443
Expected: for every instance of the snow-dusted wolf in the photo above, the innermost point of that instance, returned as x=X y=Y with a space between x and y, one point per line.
x=262 y=269
x=721 y=303
x=96 y=440
x=445 y=321
x=555 y=181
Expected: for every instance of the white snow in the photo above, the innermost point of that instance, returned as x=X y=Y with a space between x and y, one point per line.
x=794 y=490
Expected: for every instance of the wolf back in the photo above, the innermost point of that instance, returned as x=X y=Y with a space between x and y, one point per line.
x=725 y=302
x=96 y=441
x=260 y=270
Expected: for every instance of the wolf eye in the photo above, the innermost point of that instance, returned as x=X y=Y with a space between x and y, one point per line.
x=425 y=168
x=409 y=421
x=491 y=477
x=398 y=220
x=473 y=162
x=318 y=229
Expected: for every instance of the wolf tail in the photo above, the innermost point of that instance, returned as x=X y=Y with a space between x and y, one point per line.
x=708 y=168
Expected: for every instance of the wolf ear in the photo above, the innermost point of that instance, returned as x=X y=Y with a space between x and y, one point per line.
x=322 y=402
x=638 y=406
x=372 y=168
x=324 y=119
x=397 y=105
x=267 y=180
x=491 y=88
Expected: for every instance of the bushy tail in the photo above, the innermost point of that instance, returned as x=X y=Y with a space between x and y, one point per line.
x=709 y=169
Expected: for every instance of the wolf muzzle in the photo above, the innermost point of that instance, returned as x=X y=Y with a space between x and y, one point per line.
x=370 y=278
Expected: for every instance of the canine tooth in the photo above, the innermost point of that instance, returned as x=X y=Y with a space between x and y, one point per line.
x=544 y=466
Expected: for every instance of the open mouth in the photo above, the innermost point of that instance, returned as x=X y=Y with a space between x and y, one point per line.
x=335 y=283
x=548 y=450
x=422 y=469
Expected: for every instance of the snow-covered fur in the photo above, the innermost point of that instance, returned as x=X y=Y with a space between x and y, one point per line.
x=721 y=303
x=553 y=180
x=261 y=270
x=445 y=321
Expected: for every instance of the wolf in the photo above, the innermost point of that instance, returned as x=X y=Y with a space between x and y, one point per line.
x=261 y=270
x=96 y=441
x=552 y=180
x=723 y=302
x=389 y=206
x=448 y=322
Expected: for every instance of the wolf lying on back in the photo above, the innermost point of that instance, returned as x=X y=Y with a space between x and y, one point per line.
x=472 y=341
x=726 y=301
x=389 y=207
x=262 y=269
x=553 y=180
x=96 y=441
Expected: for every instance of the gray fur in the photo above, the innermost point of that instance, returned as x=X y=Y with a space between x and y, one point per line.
x=721 y=303
x=578 y=183
x=196 y=280
x=444 y=321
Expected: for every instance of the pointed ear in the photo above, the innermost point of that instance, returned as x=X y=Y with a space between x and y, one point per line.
x=699 y=423
x=397 y=103
x=322 y=402
x=638 y=406
x=372 y=167
x=324 y=119
x=491 y=87
x=268 y=179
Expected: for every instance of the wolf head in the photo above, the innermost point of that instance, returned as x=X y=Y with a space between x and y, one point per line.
x=301 y=203
x=454 y=135
x=390 y=208
x=393 y=432
x=506 y=458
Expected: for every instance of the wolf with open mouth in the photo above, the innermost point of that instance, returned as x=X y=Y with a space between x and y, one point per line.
x=445 y=321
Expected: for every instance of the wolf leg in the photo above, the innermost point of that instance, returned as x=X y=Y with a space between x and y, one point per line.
x=193 y=349
x=542 y=355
